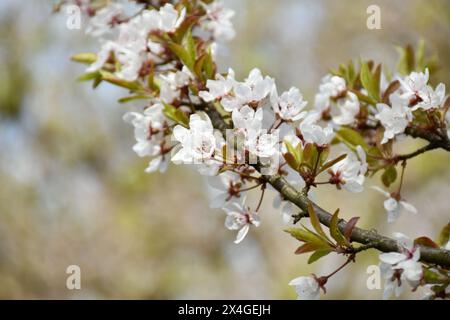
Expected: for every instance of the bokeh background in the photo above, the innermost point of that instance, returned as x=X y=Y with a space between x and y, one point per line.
x=73 y=192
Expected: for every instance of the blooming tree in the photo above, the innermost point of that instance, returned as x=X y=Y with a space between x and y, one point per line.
x=246 y=136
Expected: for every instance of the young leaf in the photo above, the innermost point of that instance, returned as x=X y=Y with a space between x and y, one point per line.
x=189 y=43
x=315 y=221
x=87 y=58
x=389 y=175
x=291 y=161
x=352 y=138
x=444 y=235
x=393 y=86
x=335 y=232
x=182 y=54
x=349 y=227
x=307 y=236
x=406 y=63
x=296 y=152
x=176 y=115
x=306 y=247
x=318 y=254
x=331 y=163
x=426 y=242
x=371 y=82
x=111 y=78
x=133 y=98
x=88 y=76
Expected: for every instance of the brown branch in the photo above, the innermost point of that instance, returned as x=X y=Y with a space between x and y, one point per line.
x=428 y=147
x=438 y=140
x=366 y=237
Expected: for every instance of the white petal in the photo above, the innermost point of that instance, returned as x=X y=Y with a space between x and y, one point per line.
x=408 y=207
x=392 y=257
x=242 y=233
x=383 y=192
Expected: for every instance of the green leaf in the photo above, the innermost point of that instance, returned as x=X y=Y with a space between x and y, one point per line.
x=389 y=175
x=198 y=66
x=310 y=155
x=294 y=155
x=444 y=235
x=189 y=43
x=324 y=153
x=182 y=54
x=176 y=115
x=352 y=138
x=291 y=161
x=318 y=254
x=315 y=220
x=185 y=26
x=420 y=56
x=88 y=76
x=111 y=78
x=208 y=66
x=87 y=58
x=305 y=235
x=406 y=63
x=133 y=98
x=434 y=277
x=335 y=232
x=331 y=163
x=371 y=82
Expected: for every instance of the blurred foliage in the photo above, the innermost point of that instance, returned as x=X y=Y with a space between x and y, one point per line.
x=73 y=192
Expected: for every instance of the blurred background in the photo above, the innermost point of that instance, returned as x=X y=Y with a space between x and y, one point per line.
x=73 y=192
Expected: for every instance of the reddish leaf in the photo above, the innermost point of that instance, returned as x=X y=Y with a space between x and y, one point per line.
x=426 y=242
x=306 y=247
x=349 y=227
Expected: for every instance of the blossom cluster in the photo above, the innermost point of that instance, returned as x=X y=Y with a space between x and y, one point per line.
x=163 y=52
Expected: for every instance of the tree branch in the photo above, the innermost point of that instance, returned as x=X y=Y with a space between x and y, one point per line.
x=366 y=237
x=428 y=147
x=440 y=140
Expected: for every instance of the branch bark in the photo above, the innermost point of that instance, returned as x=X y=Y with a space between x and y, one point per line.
x=366 y=237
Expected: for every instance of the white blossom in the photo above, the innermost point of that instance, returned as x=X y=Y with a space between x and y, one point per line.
x=431 y=98
x=149 y=134
x=172 y=82
x=218 y=21
x=240 y=218
x=349 y=172
x=313 y=133
x=131 y=46
x=198 y=143
x=349 y=108
x=218 y=88
x=395 y=206
x=330 y=87
x=307 y=288
x=246 y=120
x=414 y=84
x=227 y=187
x=170 y=19
x=290 y=105
x=400 y=267
x=394 y=119
x=252 y=91
x=104 y=19
x=147 y=129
